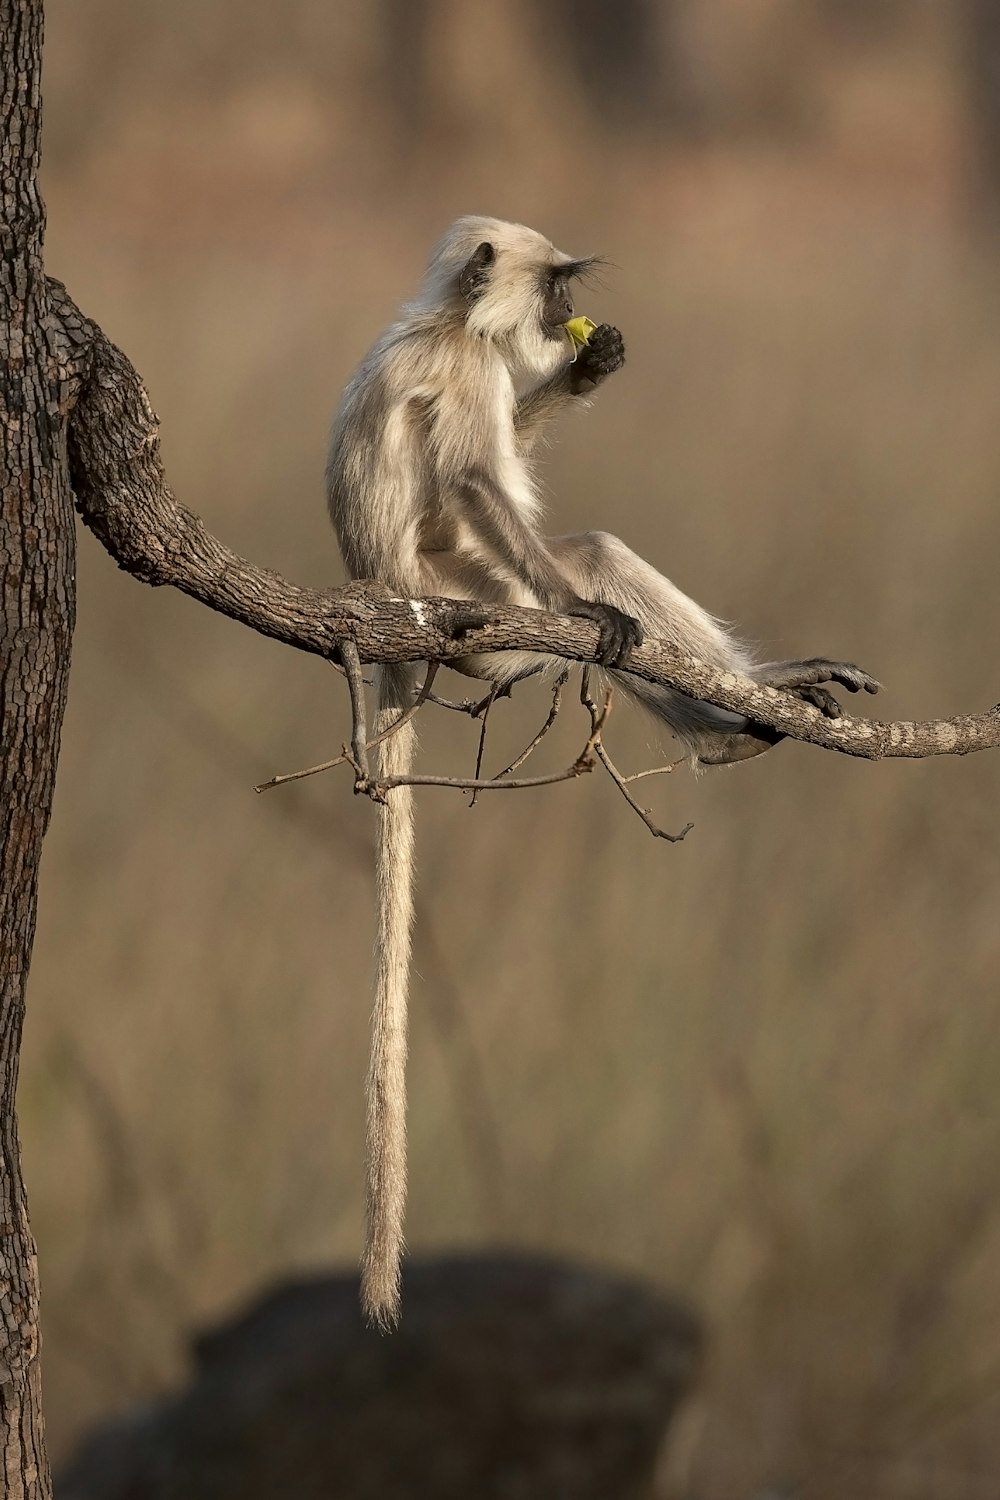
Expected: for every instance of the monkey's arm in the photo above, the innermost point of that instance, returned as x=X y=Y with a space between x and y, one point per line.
x=601 y=356
x=538 y=407
x=500 y=525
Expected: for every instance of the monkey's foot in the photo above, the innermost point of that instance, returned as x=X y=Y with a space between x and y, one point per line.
x=821 y=698
x=619 y=631
x=804 y=679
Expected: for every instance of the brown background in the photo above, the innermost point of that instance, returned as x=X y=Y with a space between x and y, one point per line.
x=759 y=1068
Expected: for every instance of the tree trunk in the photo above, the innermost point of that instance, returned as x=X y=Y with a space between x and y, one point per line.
x=981 y=49
x=37 y=578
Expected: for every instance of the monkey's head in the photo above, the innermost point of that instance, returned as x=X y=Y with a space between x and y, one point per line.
x=511 y=286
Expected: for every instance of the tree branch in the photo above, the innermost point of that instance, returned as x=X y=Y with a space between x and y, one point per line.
x=619 y=780
x=122 y=495
x=360 y=732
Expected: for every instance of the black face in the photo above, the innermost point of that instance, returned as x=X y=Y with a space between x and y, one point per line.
x=557 y=307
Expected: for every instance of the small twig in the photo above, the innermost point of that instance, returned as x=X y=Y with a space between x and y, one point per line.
x=485 y=704
x=471 y=706
x=368 y=681
x=619 y=780
x=557 y=688
x=581 y=766
x=415 y=706
x=469 y=784
x=598 y=719
x=494 y=692
x=324 y=765
x=654 y=771
x=645 y=813
x=467 y=706
x=356 y=687
x=343 y=758
x=357 y=755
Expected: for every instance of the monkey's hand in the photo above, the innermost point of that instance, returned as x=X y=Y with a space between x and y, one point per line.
x=619 y=632
x=601 y=355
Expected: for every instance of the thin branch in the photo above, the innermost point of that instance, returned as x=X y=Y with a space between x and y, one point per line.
x=471 y=706
x=644 y=813
x=557 y=688
x=281 y=780
x=472 y=784
x=377 y=788
x=491 y=699
x=654 y=771
x=485 y=704
x=415 y=706
x=359 y=726
x=343 y=758
x=465 y=707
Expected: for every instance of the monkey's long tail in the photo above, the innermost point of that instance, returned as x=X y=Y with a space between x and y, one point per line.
x=386 y=1125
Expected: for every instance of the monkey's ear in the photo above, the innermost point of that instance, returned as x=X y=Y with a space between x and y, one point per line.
x=476 y=272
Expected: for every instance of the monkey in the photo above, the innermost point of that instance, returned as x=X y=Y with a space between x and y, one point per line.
x=431 y=492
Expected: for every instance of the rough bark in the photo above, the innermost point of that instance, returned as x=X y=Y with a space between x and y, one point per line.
x=36 y=576
x=122 y=496
x=979 y=22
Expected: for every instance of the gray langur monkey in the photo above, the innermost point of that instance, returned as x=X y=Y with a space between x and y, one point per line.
x=431 y=493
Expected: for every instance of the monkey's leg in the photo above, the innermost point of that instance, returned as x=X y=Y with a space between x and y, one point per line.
x=602 y=567
x=463 y=575
x=804 y=679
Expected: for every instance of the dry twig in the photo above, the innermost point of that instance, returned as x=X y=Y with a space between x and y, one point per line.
x=553 y=713
x=494 y=693
x=619 y=780
x=358 y=727
x=356 y=686
x=378 y=787
x=654 y=771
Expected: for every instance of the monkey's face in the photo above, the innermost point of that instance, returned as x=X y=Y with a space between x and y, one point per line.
x=522 y=301
x=518 y=296
x=557 y=301
x=513 y=288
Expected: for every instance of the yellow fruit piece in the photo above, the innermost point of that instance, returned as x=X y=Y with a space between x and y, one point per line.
x=579 y=330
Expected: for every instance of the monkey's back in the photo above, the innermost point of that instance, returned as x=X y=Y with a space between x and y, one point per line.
x=427 y=402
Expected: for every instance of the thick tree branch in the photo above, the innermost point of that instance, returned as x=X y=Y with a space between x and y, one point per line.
x=122 y=496
x=37 y=605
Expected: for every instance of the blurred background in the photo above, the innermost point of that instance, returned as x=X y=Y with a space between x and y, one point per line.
x=758 y=1068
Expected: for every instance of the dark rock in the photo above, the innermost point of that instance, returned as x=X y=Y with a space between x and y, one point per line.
x=509 y=1378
